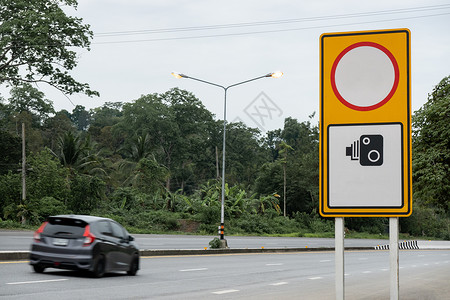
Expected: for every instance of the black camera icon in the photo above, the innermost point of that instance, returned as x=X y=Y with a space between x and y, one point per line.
x=368 y=150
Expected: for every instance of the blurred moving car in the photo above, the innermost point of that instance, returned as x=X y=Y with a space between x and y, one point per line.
x=76 y=242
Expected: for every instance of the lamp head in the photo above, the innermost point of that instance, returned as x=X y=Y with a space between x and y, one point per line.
x=179 y=75
x=276 y=74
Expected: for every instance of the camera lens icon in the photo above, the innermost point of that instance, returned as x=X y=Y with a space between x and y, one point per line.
x=368 y=150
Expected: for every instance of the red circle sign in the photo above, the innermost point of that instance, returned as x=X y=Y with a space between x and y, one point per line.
x=364 y=76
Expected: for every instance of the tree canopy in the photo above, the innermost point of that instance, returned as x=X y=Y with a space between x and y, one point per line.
x=37 y=42
x=431 y=148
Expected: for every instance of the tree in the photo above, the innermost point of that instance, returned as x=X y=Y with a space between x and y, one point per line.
x=284 y=150
x=81 y=117
x=37 y=41
x=302 y=171
x=431 y=148
x=56 y=126
x=11 y=149
x=29 y=99
x=178 y=126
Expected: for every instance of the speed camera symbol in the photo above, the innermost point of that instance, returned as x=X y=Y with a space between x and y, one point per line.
x=368 y=150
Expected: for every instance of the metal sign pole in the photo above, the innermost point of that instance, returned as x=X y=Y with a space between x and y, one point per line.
x=339 y=258
x=393 y=258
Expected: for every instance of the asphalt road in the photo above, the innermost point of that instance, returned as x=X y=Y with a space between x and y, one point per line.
x=305 y=275
x=21 y=240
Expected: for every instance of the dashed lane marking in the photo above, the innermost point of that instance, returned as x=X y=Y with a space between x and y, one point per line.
x=225 y=292
x=279 y=283
x=37 y=281
x=194 y=270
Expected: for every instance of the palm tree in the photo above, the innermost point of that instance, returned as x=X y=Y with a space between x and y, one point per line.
x=78 y=155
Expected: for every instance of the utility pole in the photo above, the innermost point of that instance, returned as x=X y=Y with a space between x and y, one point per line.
x=24 y=188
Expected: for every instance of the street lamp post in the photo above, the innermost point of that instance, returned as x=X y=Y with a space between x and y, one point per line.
x=225 y=88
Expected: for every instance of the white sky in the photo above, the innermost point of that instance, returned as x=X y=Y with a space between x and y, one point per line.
x=141 y=64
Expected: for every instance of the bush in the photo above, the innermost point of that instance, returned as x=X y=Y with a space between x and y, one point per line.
x=215 y=243
x=427 y=222
x=208 y=215
x=49 y=206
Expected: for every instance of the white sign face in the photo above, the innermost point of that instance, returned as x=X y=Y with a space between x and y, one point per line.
x=365 y=166
x=364 y=75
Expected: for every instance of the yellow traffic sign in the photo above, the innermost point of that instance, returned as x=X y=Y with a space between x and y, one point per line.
x=365 y=124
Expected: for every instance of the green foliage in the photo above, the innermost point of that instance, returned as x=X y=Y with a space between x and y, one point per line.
x=426 y=222
x=369 y=225
x=47 y=177
x=149 y=176
x=154 y=161
x=85 y=194
x=48 y=206
x=37 y=39
x=10 y=147
x=215 y=243
x=30 y=99
x=431 y=145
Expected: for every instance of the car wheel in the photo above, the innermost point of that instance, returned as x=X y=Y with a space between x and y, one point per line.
x=134 y=267
x=99 y=266
x=38 y=268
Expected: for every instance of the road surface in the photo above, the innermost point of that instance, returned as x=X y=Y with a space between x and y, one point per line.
x=424 y=274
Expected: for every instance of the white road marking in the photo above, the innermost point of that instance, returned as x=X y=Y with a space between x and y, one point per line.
x=325 y=260
x=193 y=270
x=367 y=272
x=279 y=283
x=274 y=264
x=315 y=278
x=384 y=269
x=225 y=292
x=37 y=281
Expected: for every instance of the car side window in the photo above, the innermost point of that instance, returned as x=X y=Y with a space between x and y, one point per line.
x=104 y=228
x=117 y=230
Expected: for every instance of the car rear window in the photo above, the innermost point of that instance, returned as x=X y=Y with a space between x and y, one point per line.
x=65 y=226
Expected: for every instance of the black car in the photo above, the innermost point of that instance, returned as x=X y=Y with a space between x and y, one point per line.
x=76 y=242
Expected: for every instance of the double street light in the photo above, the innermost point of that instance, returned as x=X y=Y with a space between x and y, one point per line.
x=225 y=88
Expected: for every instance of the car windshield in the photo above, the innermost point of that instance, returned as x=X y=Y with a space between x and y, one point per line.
x=64 y=226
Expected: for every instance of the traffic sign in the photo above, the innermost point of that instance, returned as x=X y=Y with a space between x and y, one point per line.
x=365 y=124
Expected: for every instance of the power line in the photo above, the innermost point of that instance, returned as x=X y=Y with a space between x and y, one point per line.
x=273 y=22
x=265 y=31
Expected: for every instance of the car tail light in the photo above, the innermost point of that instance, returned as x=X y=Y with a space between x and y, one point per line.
x=37 y=233
x=89 y=237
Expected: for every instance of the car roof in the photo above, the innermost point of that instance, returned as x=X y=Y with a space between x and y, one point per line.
x=85 y=218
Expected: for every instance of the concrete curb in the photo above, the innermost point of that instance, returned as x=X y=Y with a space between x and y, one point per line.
x=238 y=251
x=21 y=255
x=14 y=255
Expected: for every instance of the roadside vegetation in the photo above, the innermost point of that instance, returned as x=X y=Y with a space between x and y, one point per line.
x=153 y=164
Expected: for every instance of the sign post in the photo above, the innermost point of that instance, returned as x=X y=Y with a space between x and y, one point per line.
x=365 y=128
x=339 y=258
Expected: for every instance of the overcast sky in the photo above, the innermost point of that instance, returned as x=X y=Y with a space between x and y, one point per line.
x=138 y=43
